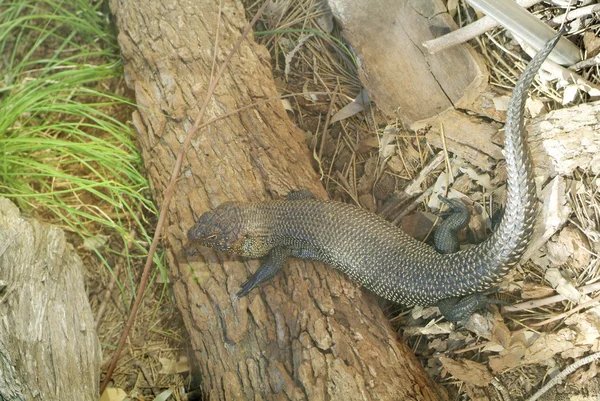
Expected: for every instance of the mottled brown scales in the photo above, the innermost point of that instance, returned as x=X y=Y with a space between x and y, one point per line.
x=377 y=254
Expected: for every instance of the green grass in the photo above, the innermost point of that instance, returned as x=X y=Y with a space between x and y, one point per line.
x=65 y=159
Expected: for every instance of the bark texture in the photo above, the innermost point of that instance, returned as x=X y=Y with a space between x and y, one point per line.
x=49 y=349
x=309 y=334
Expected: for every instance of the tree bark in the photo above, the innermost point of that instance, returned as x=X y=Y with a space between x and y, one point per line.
x=49 y=349
x=309 y=334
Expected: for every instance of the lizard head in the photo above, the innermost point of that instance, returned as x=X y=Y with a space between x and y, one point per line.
x=220 y=228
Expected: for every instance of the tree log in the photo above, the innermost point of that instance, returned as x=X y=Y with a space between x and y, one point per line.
x=309 y=334
x=49 y=349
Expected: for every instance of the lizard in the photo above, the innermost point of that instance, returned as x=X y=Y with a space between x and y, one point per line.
x=377 y=254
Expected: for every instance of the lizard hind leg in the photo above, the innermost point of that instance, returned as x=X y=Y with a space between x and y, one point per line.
x=446 y=241
x=460 y=308
x=273 y=265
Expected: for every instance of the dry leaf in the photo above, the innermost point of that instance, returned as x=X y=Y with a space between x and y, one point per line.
x=287 y=105
x=423 y=312
x=171 y=367
x=367 y=144
x=396 y=165
x=548 y=345
x=418 y=225
x=569 y=245
x=535 y=291
x=509 y=358
x=570 y=93
x=452 y=7
x=501 y=334
x=164 y=396
x=535 y=107
x=387 y=145
x=584 y=375
x=430 y=329
x=366 y=202
x=586 y=325
x=476 y=393
x=113 y=394
x=480 y=325
x=562 y=285
x=501 y=102
x=367 y=180
x=468 y=371
x=481 y=179
x=355 y=107
x=438 y=345
x=591 y=42
x=554 y=213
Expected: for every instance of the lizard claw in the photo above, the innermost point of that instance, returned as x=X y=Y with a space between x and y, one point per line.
x=247 y=286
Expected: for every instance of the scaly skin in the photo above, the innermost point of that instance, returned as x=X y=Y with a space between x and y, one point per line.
x=377 y=254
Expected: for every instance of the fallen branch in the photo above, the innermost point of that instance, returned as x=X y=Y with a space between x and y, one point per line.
x=461 y=35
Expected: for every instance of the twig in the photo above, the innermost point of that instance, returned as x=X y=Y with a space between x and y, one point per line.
x=450 y=174
x=415 y=185
x=559 y=71
x=562 y=375
x=408 y=209
x=326 y=128
x=569 y=313
x=412 y=189
x=549 y=300
x=167 y=199
x=468 y=32
x=574 y=14
x=590 y=62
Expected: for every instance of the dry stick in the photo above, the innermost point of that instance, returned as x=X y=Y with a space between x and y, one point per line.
x=557 y=70
x=590 y=62
x=552 y=319
x=415 y=185
x=326 y=129
x=415 y=203
x=549 y=300
x=412 y=189
x=567 y=371
x=574 y=14
x=450 y=173
x=588 y=288
x=468 y=32
x=169 y=195
x=569 y=313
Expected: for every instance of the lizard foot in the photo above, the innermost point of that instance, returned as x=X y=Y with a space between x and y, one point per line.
x=455 y=309
x=272 y=266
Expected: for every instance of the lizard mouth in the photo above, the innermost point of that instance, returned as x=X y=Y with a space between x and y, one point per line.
x=213 y=242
